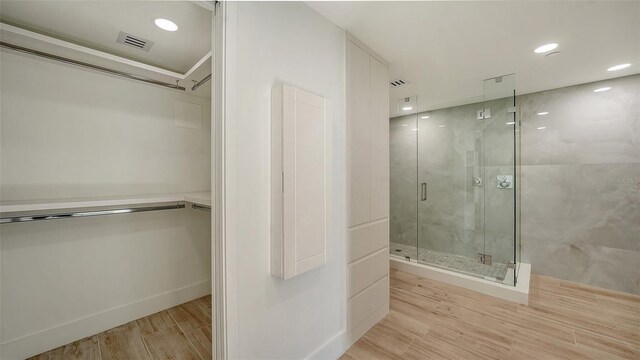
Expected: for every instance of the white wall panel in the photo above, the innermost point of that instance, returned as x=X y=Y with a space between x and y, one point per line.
x=359 y=134
x=379 y=154
x=280 y=43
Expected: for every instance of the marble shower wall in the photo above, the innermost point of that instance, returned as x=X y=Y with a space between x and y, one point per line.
x=581 y=183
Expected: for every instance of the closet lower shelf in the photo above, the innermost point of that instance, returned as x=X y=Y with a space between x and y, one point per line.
x=21 y=211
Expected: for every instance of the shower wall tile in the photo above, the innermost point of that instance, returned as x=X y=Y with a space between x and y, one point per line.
x=581 y=183
x=448 y=239
x=595 y=205
x=582 y=127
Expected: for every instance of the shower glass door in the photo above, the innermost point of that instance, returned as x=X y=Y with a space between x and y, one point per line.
x=466 y=172
x=403 y=146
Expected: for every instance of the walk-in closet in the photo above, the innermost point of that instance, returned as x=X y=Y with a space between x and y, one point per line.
x=105 y=179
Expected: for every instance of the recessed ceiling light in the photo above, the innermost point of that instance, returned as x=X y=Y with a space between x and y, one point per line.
x=165 y=24
x=424 y=117
x=618 y=67
x=414 y=129
x=405 y=124
x=542 y=127
x=511 y=123
x=543 y=113
x=602 y=89
x=407 y=108
x=442 y=125
x=545 y=48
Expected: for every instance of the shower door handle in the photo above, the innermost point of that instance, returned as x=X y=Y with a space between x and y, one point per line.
x=423 y=191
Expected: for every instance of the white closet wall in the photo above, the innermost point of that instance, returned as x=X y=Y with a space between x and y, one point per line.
x=368 y=188
x=68 y=133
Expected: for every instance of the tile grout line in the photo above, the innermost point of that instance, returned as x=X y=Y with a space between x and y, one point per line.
x=184 y=333
x=99 y=349
x=144 y=343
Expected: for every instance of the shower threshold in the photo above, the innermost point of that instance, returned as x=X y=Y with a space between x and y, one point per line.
x=486 y=285
x=470 y=266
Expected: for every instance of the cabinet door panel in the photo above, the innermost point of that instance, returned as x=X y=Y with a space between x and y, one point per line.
x=379 y=146
x=358 y=132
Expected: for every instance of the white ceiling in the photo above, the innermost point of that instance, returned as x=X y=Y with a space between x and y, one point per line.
x=446 y=49
x=96 y=24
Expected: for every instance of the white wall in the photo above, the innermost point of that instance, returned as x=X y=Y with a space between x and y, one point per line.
x=271 y=43
x=67 y=132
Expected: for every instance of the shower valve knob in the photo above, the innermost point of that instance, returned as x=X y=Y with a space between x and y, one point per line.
x=505 y=181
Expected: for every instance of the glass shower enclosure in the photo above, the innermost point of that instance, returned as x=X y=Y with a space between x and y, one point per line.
x=454 y=184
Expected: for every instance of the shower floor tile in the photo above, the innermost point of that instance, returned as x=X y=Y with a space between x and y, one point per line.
x=451 y=261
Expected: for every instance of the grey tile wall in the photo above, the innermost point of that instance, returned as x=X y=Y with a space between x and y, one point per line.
x=581 y=183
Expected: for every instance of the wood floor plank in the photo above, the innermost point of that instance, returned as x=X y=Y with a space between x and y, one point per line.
x=170 y=343
x=363 y=349
x=473 y=338
x=202 y=341
x=563 y=321
x=84 y=349
x=600 y=292
x=127 y=341
x=122 y=342
x=406 y=277
x=471 y=317
x=43 y=356
x=441 y=347
x=386 y=335
x=574 y=319
x=607 y=345
x=155 y=322
x=425 y=317
x=413 y=298
x=532 y=327
x=630 y=334
x=191 y=316
x=406 y=323
x=346 y=356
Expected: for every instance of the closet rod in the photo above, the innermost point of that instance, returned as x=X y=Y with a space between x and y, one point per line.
x=88 y=66
x=201 y=207
x=200 y=83
x=70 y=215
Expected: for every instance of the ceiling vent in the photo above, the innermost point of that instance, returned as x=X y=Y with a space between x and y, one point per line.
x=134 y=41
x=398 y=82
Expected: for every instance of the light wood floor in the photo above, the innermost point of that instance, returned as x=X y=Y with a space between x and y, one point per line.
x=182 y=332
x=564 y=320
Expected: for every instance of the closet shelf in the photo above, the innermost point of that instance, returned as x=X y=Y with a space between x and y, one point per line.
x=8 y=207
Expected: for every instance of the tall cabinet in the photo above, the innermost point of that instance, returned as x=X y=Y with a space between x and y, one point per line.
x=368 y=188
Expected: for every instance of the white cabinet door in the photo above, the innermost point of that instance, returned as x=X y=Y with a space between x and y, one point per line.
x=359 y=134
x=298 y=226
x=379 y=145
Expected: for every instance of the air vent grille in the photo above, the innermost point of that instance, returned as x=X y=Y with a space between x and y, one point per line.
x=398 y=82
x=134 y=41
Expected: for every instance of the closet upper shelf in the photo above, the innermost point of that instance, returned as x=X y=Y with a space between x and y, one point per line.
x=6 y=207
x=56 y=47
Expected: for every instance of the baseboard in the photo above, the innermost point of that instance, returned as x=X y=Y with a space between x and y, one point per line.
x=340 y=343
x=331 y=349
x=41 y=341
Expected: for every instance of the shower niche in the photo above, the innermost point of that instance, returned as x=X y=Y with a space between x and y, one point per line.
x=454 y=184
